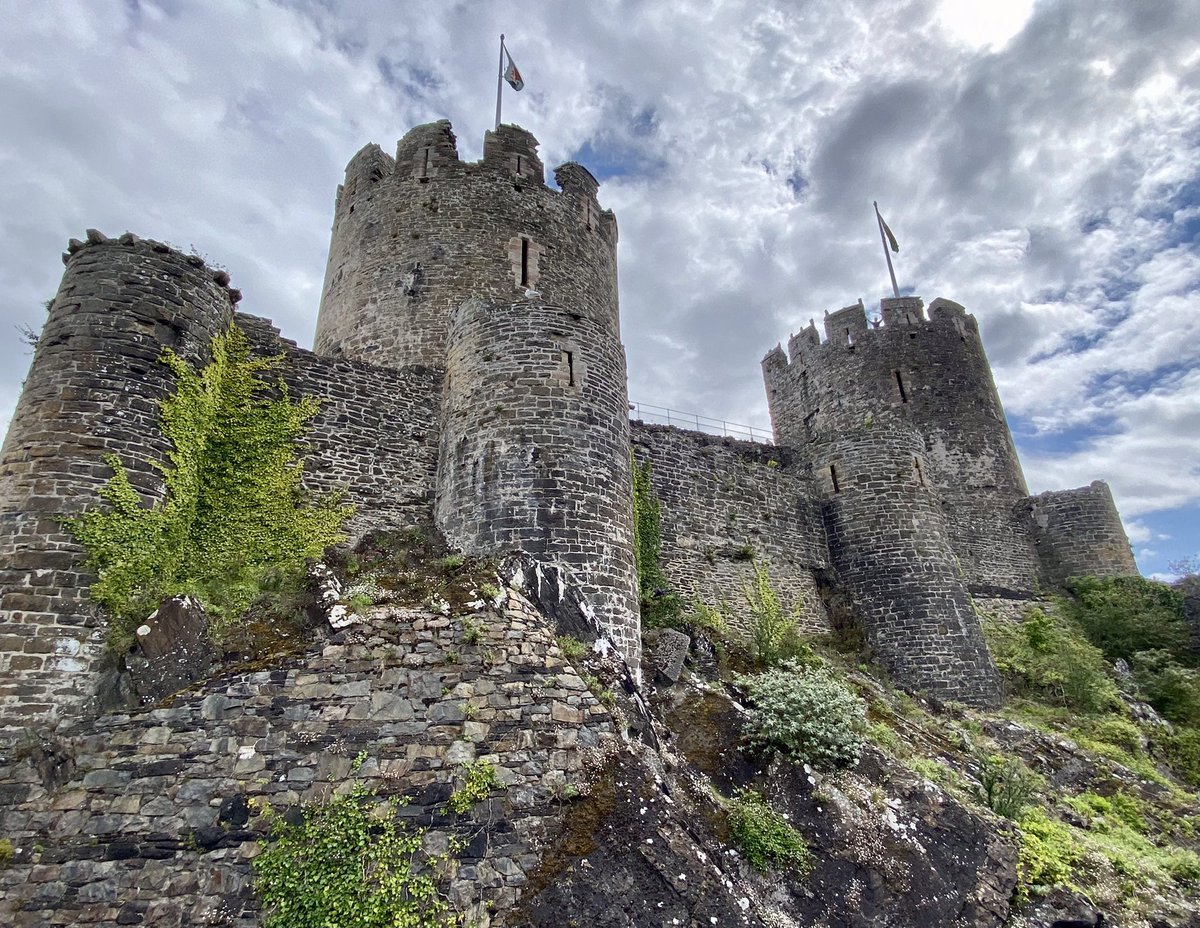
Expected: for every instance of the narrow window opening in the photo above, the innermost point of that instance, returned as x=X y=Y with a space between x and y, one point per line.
x=519 y=172
x=569 y=360
x=849 y=338
x=900 y=385
x=808 y=424
x=524 y=262
x=425 y=167
x=920 y=473
x=833 y=476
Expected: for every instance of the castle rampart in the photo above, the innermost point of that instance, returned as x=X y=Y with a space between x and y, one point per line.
x=469 y=362
x=374 y=438
x=93 y=390
x=726 y=501
x=535 y=447
x=934 y=374
x=890 y=546
x=1079 y=533
x=415 y=236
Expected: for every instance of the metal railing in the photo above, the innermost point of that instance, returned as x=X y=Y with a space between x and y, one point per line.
x=661 y=415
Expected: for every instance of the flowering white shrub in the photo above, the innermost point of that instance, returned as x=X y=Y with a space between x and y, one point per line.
x=806 y=714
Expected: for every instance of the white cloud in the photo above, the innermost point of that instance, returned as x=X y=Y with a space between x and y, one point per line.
x=1041 y=171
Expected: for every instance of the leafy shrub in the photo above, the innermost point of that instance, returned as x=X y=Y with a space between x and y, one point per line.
x=478 y=779
x=1047 y=659
x=1005 y=785
x=1047 y=854
x=763 y=836
x=233 y=509
x=1174 y=690
x=774 y=633
x=1120 y=733
x=348 y=863
x=806 y=714
x=1180 y=749
x=1124 y=615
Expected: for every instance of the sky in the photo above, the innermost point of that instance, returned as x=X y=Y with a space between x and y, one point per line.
x=1038 y=161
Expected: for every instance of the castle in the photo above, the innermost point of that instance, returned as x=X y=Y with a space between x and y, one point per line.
x=468 y=352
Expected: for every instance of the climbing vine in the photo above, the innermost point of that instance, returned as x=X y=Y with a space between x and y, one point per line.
x=348 y=863
x=232 y=511
x=659 y=605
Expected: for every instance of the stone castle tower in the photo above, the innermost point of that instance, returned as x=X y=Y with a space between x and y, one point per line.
x=468 y=352
x=511 y=287
x=923 y=495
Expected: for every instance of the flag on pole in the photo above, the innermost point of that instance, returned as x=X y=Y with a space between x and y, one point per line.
x=890 y=237
x=512 y=75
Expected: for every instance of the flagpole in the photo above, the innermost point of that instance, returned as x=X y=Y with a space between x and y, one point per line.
x=499 y=81
x=883 y=239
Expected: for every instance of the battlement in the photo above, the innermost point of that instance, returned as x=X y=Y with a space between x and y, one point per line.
x=416 y=235
x=848 y=328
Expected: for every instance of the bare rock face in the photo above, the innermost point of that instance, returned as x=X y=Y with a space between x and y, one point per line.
x=888 y=848
x=174 y=648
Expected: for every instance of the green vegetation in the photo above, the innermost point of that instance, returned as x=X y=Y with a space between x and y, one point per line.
x=233 y=509
x=774 y=633
x=478 y=779
x=572 y=648
x=1124 y=615
x=1006 y=786
x=1048 y=852
x=349 y=863
x=1048 y=659
x=805 y=713
x=7 y=851
x=660 y=606
x=763 y=836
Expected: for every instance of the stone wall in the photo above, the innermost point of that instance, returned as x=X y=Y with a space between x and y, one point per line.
x=93 y=390
x=535 y=448
x=415 y=236
x=1079 y=533
x=889 y=544
x=935 y=375
x=147 y=819
x=375 y=436
x=724 y=500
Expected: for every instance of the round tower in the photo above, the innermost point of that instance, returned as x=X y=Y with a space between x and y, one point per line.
x=93 y=390
x=416 y=235
x=534 y=451
x=932 y=373
x=889 y=544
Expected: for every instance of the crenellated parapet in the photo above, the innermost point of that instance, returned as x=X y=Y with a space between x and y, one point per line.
x=415 y=236
x=932 y=373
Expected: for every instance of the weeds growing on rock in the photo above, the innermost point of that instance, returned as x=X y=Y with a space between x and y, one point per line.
x=764 y=837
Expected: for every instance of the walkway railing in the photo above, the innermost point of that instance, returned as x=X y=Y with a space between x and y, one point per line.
x=661 y=415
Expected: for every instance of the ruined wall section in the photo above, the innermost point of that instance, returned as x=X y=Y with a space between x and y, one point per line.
x=375 y=436
x=93 y=390
x=932 y=373
x=534 y=450
x=415 y=236
x=725 y=500
x=1079 y=533
x=146 y=818
x=890 y=545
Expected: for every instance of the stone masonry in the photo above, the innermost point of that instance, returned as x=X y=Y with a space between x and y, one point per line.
x=469 y=359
